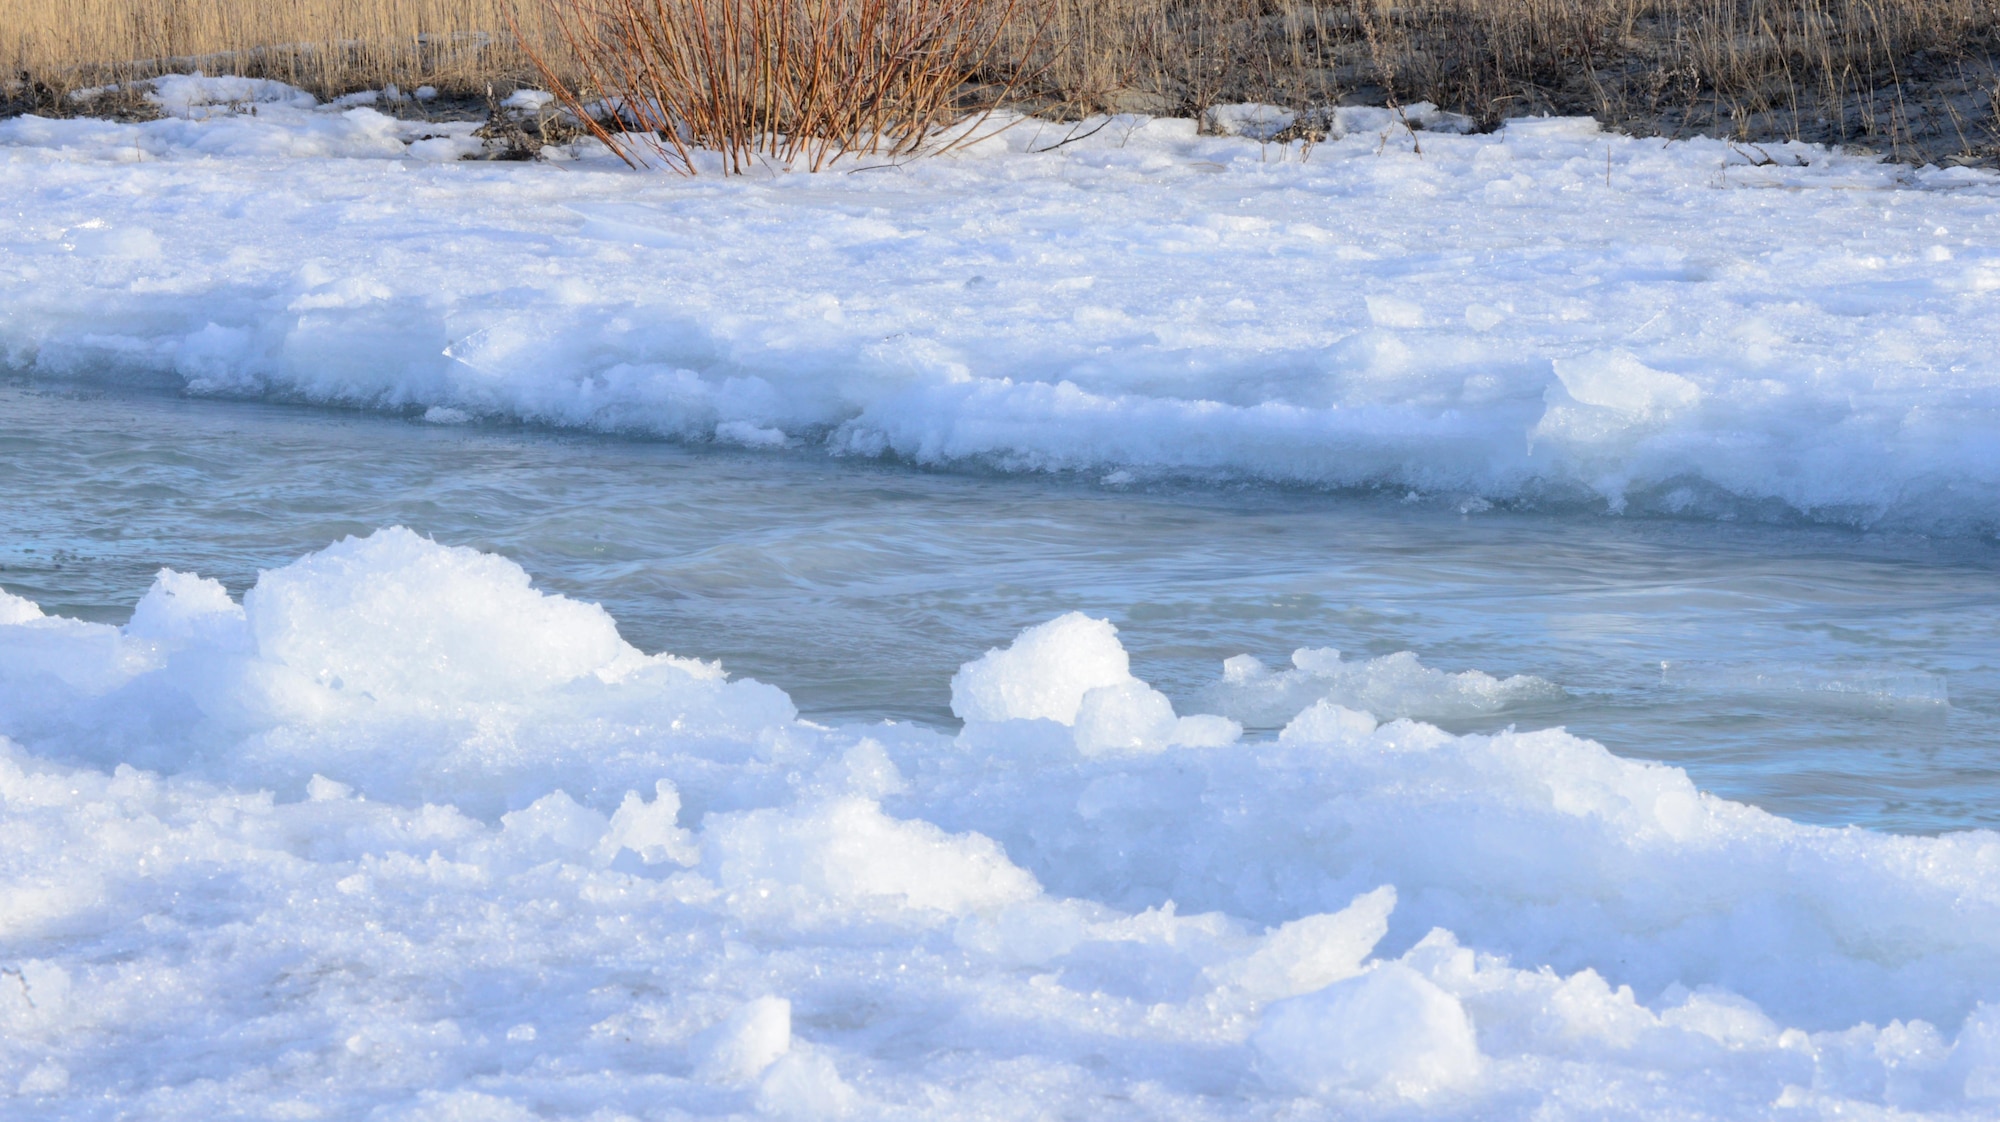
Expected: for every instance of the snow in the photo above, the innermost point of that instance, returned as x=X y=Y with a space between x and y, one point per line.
x=1547 y=315
x=395 y=834
x=402 y=836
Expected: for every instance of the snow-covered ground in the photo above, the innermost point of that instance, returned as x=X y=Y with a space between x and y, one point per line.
x=399 y=836
x=1545 y=314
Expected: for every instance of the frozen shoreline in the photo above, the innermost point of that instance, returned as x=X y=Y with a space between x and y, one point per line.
x=1545 y=315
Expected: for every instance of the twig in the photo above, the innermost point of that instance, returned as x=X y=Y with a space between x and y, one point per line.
x=1071 y=138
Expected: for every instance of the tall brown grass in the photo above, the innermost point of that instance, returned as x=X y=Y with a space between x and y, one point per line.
x=1830 y=70
x=1919 y=78
x=327 y=46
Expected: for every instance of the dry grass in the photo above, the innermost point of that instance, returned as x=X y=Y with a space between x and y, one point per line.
x=1918 y=79
x=327 y=46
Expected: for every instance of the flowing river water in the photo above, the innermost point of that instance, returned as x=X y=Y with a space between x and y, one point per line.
x=1827 y=675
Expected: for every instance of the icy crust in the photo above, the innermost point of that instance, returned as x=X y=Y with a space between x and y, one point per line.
x=1546 y=314
x=400 y=837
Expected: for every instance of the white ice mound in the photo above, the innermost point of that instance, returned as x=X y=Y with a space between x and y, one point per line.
x=1390 y=1031
x=182 y=608
x=16 y=609
x=394 y=615
x=746 y=1042
x=847 y=859
x=1074 y=671
x=391 y=663
x=1314 y=952
x=1397 y=685
x=1128 y=717
x=1043 y=674
x=1326 y=722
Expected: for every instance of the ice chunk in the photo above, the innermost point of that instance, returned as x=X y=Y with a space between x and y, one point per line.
x=1397 y=685
x=182 y=607
x=1129 y=717
x=320 y=789
x=1618 y=381
x=556 y=818
x=393 y=615
x=746 y=1042
x=1311 y=953
x=1723 y=1017
x=1395 y=311
x=846 y=859
x=1327 y=723
x=1043 y=674
x=649 y=829
x=1390 y=1031
x=749 y=435
x=17 y=609
x=1206 y=730
x=865 y=770
x=394 y=665
x=805 y=1085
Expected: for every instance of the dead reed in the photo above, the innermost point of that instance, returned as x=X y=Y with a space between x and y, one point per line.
x=1919 y=79
x=327 y=46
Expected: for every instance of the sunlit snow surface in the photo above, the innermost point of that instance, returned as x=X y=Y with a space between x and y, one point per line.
x=1544 y=314
x=399 y=835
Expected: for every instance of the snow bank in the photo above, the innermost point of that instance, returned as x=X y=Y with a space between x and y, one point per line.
x=1543 y=315
x=402 y=837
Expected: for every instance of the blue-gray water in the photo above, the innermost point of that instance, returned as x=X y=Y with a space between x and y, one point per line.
x=1792 y=667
